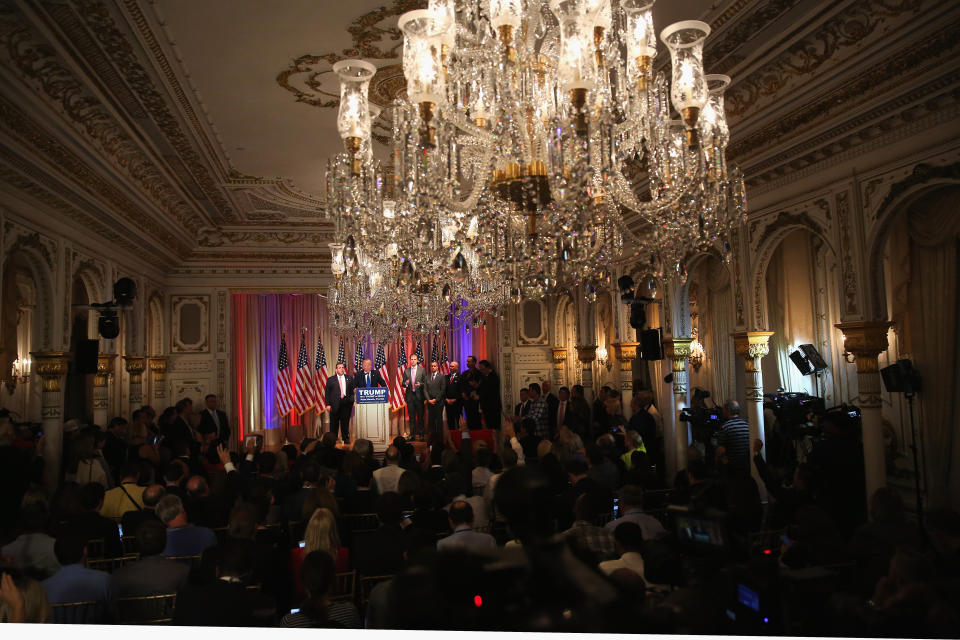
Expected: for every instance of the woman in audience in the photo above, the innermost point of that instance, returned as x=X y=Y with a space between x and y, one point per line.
x=22 y=600
x=321 y=535
x=317 y=576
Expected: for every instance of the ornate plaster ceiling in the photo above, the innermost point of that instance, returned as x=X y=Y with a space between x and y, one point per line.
x=201 y=129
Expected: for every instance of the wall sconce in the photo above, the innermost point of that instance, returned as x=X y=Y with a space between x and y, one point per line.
x=602 y=356
x=696 y=353
x=19 y=374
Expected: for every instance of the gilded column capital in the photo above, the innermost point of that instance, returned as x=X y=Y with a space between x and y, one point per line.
x=559 y=357
x=135 y=366
x=51 y=366
x=157 y=364
x=626 y=353
x=587 y=353
x=104 y=369
x=865 y=340
x=678 y=351
x=752 y=344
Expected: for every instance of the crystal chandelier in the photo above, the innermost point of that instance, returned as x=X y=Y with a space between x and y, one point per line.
x=535 y=150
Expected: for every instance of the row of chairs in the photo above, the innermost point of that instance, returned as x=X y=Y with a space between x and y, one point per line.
x=147 y=610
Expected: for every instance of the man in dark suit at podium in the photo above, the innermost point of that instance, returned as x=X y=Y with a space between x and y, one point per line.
x=413 y=380
x=435 y=390
x=213 y=420
x=339 y=394
x=367 y=377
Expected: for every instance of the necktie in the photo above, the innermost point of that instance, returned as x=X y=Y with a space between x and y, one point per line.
x=368 y=379
x=434 y=376
x=563 y=408
x=343 y=387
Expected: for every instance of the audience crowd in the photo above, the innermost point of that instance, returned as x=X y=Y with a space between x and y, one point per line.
x=566 y=523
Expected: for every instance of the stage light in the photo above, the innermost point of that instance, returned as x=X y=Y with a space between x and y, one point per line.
x=124 y=291
x=477 y=601
x=108 y=325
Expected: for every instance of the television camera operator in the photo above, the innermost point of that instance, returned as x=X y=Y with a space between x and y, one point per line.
x=705 y=422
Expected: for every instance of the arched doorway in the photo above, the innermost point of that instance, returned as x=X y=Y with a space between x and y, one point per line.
x=17 y=335
x=712 y=317
x=921 y=287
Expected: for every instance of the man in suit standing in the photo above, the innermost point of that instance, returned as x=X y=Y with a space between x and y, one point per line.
x=413 y=381
x=339 y=395
x=552 y=404
x=453 y=400
x=367 y=377
x=435 y=391
x=213 y=420
x=521 y=408
x=578 y=415
x=470 y=383
x=489 y=392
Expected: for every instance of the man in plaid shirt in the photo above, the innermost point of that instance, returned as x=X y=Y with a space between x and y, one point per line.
x=539 y=412
x=590 y=539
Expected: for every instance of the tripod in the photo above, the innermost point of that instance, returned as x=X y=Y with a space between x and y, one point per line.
x=909 y=395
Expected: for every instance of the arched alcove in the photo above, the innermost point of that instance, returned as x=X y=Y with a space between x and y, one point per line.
x=713 y=316
x=78 y=391
x=919 y=252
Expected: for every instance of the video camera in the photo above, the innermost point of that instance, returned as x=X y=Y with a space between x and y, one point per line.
x=35 y=428
x=796 y=412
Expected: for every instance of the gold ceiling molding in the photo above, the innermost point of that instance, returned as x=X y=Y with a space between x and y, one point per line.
x=912 y=61
x=212 y=238
x=375 y=37
x=844 y=33
x=715 y=57
x=75 y=170
x=115 y=45
x=38 y=65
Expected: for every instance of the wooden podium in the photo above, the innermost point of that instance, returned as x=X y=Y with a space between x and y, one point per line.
x=372 y=416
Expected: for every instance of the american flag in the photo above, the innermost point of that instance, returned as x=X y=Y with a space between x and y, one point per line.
x=434 y=356
x=419 y=352
x=320 y=377
x=303 y=396
x=380 y=364
x=341 y=355
x=444 y=363
x=284 y=396
x=358 y=356
x=397 y=400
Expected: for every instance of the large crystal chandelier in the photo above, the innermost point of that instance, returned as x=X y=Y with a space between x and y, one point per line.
x=535 y=150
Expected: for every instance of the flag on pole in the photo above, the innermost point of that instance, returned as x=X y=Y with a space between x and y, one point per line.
x=419 y=352
x=358 y=356
x=303 y=396
x=381 y=364
x=320 y=377
x=284 y=396
x=341 y=355
x=397 y=401
x=434 y=355
x=444 y=362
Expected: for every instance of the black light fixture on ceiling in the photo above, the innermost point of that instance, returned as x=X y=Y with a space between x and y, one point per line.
x=124 y=291
x=109 y=324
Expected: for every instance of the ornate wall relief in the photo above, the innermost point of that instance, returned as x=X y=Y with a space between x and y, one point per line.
x=190 y=324
x=532 y=322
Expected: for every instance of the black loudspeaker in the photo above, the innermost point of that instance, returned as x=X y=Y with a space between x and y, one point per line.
x=85 y=357
x=901 y=377
x=816 y=361
x=651 y=347
x=801 y=361
x=638 y=316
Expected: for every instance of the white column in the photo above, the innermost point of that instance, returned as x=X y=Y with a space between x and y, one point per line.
x=135 y=366
x=586 y=355
x=626 y=353
x=677 y=350
x=752 y=346
x=867 y=340
x=51 y=366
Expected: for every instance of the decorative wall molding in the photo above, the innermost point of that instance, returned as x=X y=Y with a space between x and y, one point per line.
x=177 y=308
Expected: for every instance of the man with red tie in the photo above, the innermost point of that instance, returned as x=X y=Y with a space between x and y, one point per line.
x=339 y=395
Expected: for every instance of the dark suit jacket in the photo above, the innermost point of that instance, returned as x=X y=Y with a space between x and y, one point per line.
x=454 y=386
x=552 y=404
x=178 y=431
x=152 y=575
x=376 y=380
x=410 y=394
x=435 y=388
x=490 y=399
x=133 y=519
x=223 y=604
x=208 y=426
x=577 y=416
x=378 y=552
x=90 y=525
x=333 y=392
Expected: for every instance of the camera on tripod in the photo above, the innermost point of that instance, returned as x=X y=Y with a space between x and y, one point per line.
x=797 y=413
